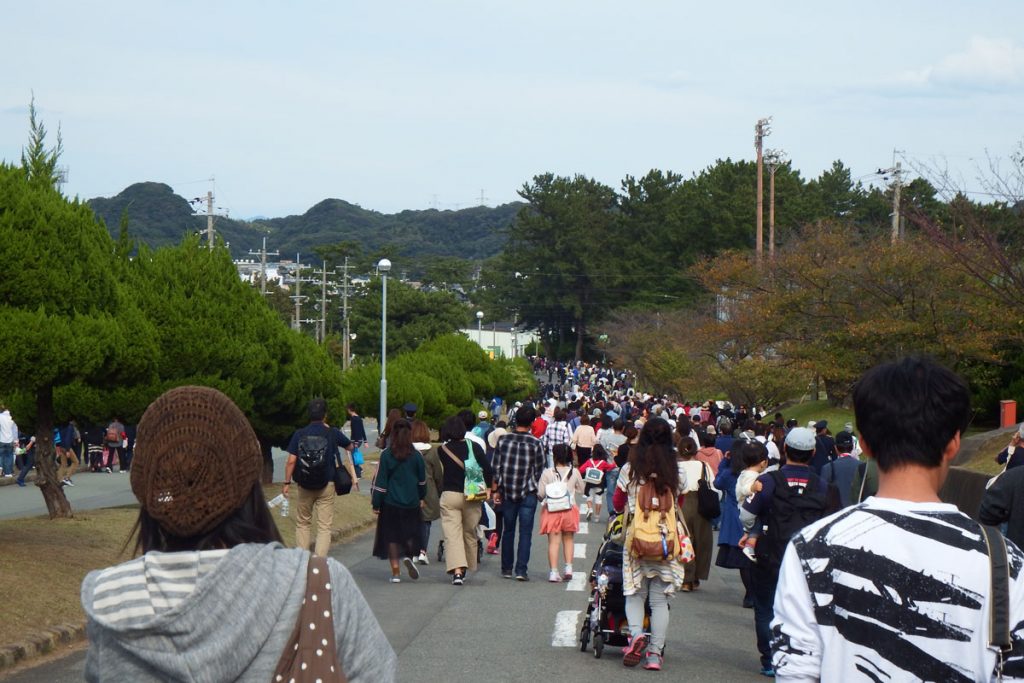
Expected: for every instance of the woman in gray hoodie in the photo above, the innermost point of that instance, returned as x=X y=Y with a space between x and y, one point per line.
x=214 y=596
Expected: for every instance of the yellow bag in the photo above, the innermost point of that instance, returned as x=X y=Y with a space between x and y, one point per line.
x=654 y=535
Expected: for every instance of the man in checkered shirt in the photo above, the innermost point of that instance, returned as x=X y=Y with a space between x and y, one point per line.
x=517 y=464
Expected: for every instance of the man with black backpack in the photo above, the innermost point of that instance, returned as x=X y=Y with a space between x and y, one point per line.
x=789 y=499
x=313 y=456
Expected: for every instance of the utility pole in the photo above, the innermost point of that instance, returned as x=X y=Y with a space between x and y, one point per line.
x=761 y=131
x=263 y=254
x=297 y=297
x=322 y=323
x=346 y=341
x=209 y=214
x=482 y=197
x=897 y=182
x=774 y=158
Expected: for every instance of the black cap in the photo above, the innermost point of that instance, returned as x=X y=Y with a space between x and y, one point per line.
x=821 y=424
x=317 y=409
x=409 y=408
x=844 y=438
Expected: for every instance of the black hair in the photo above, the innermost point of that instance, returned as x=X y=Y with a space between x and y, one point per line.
x=560 y=454
x=751 y=453
x=652 y=457
x=706 y=440
x=525 y=416
x=795 y=455
x=686 y=447
x=401 y=440
x=909 y=410
x=468 y=419
x=618 y=424
x=251 y=522
x=453 y=429
x=606 y=422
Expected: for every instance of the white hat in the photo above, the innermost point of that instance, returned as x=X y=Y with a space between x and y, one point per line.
x=482 y=415
x=801 y=439
x=492 y=438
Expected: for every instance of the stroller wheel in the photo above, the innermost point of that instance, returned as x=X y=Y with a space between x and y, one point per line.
x=598 y=645
x=584 y=637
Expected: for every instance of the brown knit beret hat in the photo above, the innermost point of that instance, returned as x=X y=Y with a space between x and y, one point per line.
x=196 y=460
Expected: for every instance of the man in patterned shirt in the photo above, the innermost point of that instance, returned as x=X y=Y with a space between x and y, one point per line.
x=517 y=464
x=899 y=587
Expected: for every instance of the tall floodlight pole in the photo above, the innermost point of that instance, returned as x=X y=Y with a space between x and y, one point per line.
x=383 y=267
x=761 y=130
x=480 y=328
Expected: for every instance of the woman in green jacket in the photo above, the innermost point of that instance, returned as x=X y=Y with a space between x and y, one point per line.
x=398 y=490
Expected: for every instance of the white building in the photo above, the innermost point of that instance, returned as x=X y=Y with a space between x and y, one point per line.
x=500 y=339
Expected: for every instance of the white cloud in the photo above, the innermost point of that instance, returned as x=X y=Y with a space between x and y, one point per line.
x=985 y=63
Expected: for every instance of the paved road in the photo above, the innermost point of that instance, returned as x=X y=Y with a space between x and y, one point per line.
x=501 y=630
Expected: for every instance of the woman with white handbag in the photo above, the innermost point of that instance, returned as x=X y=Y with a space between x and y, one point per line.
x=559 y=516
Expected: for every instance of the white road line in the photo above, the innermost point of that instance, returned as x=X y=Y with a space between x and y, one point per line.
x=564 y=634
x=579 y=551
x=578 y=582
x=584 y=528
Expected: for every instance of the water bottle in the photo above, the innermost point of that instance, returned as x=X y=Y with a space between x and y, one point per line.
x=275 y=501
x=284 y=508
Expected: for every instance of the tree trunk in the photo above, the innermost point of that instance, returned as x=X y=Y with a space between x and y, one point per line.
x=46 y=469
x=268 y=461
x=580 y=334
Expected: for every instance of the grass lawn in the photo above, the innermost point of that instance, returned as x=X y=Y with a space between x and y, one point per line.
x=818 y=410
x=44 y=561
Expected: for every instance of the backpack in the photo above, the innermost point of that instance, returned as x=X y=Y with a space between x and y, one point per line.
x=312 y=463
x=474 y=487
x=556 y=494
x=653 y=533
x=791 y=511
x=112 y=435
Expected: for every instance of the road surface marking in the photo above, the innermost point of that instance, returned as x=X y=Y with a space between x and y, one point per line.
x=579 y=551
x=578 y=582
x=584 y=528
x=564 y=634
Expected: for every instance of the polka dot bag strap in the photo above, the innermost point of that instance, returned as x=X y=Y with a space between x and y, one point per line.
x=309 y=655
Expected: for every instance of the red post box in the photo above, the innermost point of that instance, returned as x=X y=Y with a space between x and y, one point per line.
x=1007 y=413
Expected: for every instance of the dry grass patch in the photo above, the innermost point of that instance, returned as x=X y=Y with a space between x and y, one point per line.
x=44 y=561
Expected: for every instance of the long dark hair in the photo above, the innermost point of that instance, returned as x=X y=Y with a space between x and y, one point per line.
x=652 y=457
x=394 y=415
x=251 y=522
x=401 y=439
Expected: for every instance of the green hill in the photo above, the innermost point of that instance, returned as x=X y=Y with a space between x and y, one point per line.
x=157 y=216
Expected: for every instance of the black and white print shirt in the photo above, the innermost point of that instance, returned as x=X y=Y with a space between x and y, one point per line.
x=891 y=590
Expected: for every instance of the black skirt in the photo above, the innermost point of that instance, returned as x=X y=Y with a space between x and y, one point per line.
x=732 y=557
x=400 y=526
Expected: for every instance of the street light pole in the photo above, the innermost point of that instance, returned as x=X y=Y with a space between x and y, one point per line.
x=480 y=328
x=383 y=266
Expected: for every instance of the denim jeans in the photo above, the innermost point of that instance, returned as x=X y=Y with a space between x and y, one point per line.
x=7 y=457
x=762 y=589
x=610 y=480
x=27 y=462
x=519 y=512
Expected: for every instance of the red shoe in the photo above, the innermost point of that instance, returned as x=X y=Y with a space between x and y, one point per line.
x=492 y=543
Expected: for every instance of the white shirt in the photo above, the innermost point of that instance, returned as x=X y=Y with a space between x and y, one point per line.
x=900 y=593
x=8 y=430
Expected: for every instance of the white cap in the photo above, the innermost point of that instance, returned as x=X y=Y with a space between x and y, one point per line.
x=801 y=439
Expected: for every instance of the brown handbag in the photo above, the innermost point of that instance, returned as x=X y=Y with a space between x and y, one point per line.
x=309 y=654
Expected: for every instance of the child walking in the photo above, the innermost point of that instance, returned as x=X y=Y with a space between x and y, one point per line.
x=559 y=516
x=593 y=492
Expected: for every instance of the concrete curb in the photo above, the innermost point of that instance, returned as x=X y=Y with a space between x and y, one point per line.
x=40 y=643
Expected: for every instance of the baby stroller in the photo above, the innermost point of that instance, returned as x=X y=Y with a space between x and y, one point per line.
x=605 y=621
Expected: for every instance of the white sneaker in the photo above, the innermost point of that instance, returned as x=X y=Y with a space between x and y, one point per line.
x=553 y=576
x=423 y=559
x=749 y=552
x=396 y=579
x=567 y=572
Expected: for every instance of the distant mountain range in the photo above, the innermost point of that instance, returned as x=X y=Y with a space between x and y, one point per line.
x=157 y=216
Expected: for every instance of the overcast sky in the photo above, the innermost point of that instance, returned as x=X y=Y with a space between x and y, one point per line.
x=398 y=105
